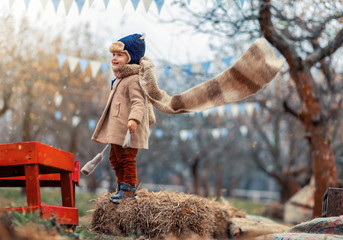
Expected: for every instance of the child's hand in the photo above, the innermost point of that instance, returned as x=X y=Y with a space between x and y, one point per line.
x=132 y=125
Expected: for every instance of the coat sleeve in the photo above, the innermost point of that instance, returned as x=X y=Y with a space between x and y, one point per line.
x=137 y=101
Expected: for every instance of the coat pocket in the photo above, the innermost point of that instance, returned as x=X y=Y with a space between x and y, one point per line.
x=116 y=109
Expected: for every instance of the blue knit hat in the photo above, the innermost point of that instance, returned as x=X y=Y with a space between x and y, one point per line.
x=133 y=45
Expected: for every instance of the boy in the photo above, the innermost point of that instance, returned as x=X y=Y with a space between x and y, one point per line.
x=126 y=108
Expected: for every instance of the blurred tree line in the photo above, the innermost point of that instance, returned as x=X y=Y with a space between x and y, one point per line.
x=41 y=102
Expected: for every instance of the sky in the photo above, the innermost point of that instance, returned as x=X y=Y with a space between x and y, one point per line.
x=168 y=42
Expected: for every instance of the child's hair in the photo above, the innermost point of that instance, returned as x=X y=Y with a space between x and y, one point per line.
x=133 y=45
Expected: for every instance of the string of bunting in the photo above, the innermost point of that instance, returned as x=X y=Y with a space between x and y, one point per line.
x=232 y=110
x=95 y=66
x=82 y=3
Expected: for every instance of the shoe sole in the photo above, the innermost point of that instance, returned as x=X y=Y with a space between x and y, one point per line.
x=117 y=201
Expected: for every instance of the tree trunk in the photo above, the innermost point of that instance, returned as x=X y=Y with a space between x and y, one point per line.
x=288 y=189
x=205 y=181
x=324 y=167
x=195 y=174
x=219 y=180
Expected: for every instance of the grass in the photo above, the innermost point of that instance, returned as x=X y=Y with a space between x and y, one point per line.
x=12 y=197
x=249 y=207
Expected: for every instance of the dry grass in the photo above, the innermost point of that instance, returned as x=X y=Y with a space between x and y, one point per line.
x=165 y=215
x=9 y=231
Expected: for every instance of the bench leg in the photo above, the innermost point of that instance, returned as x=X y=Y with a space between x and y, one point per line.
x=67 y=190
x=32 y=185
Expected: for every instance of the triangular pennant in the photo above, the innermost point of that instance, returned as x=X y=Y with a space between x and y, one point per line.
x=249 y=107
x=177 y=71
x=80 y=4
x=217 y=63
x=159 y=133
x=91 y=124
x=106 y=3
x=58 y=99
x=67 y=5
x=234 y=109
x=56 y=3
x=83 y=64
x=183 y=135
x=90 y=2
x=123 y=3
x=242 y=3
x=206 y=66
x=215 y=132
x=95 y=67
x=27 y=2
x=104 y=68
x=190 y=134
x=43 y=2
x=257 y=107
x=61 y=59
x=75 y=120
x=159 y=4
x=207 y=112
x=135 y=3
x=187 y=69
x=224 y=132
x=11 y=3
x=242 y=108
x=228 y=109
x=147 y=4
x=218 y=2
x=73 y=61
x=167 y=70
x=58 y=115
x=221 y=111
x=189 y=2
x=227 y=61
x=197 y=67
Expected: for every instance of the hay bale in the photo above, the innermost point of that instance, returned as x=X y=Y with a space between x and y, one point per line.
x=161 y=214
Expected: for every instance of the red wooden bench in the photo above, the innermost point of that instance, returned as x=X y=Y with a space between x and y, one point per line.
x=34 y=165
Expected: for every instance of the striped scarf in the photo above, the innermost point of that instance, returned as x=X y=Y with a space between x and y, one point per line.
x=252 y=72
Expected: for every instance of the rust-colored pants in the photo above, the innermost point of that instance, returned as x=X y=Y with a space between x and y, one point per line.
x=123 y=161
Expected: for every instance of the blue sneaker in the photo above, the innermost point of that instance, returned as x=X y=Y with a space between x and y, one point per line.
x=126 y=190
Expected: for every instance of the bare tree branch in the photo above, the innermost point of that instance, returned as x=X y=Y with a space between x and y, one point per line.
x=329 y=49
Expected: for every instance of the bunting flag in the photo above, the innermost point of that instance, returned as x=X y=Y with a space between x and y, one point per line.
x=95 y=67
x=67 y=6
x=147 y=4
x=61 y=59
x=27 y=2
x=135 y=3
x=56 y=3
x=83 y=64
x=106 y=3
x=44 y=2
x=80 y=4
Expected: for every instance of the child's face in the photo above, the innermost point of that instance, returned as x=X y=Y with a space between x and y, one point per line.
x=119 y=58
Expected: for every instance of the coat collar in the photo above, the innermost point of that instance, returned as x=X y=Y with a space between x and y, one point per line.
x=125 y=70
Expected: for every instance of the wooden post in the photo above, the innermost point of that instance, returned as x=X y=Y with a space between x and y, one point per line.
x=32 y=185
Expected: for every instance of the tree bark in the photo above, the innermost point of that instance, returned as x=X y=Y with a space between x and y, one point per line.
x=195 y=174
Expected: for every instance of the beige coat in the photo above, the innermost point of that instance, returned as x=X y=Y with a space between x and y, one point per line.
x=126 y=101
